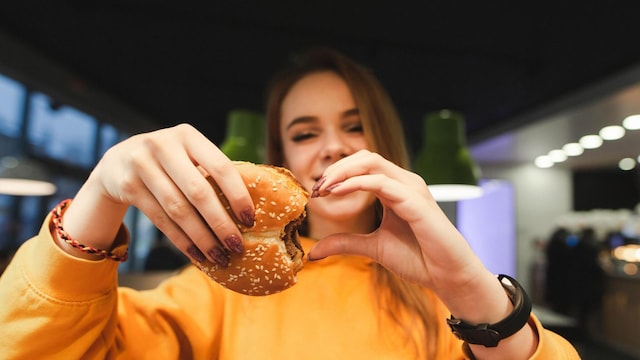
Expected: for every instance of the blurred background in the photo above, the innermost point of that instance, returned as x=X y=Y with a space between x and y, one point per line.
x=534 y=84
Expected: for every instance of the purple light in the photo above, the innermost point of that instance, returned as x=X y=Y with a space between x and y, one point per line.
x=488 y=224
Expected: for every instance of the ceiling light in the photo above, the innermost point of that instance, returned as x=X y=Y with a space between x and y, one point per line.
x=20 y=176
x=627 y=164
x=612 y=132
x=573 y=149
x=631 y=122
x=557 y=156
x=454 y=192
x=444 y=161
x=590 y=141
x=543 y=161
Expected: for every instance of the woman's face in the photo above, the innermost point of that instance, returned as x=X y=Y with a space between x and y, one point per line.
x=320 y=125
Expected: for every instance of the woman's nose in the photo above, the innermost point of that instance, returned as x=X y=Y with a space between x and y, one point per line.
x=335 y=148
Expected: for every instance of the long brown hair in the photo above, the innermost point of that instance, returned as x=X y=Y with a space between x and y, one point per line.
x=384 y=133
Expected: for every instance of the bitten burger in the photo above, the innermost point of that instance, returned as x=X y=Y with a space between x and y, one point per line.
x=272 y=254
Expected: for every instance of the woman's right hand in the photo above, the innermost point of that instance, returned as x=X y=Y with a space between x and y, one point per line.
x=162 y=173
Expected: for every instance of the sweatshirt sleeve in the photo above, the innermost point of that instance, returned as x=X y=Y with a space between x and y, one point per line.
x=550 y=344
x=57 y=306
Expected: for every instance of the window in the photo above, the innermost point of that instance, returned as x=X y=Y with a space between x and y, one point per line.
x=61 y=132
x=109 y=136
x=143 y=235
x=12 y=95
x=146 y=234
x=74 y=141
x=66 y=186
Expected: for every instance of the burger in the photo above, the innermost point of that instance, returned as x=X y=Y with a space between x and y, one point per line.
x=272 y=253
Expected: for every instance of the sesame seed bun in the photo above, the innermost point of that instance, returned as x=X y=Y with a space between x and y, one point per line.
x=272 y=254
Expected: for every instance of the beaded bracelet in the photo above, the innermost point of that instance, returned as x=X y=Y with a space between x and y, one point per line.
x=56 y=215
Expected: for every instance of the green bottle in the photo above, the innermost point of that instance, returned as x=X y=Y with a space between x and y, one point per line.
x=244 y=139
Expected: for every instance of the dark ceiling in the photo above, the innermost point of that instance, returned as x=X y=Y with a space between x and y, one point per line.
x=193 y=62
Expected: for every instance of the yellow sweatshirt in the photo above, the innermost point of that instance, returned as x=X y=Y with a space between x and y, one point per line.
x=56 y=306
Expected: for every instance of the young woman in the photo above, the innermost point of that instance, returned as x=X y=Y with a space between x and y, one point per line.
x=386 y=266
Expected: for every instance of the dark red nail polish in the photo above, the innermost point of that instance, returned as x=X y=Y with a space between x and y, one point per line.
x=235 y=244
x=219 y=256
x=195 y=253
x=319 y=183
x=248 y=217
x=332 y=187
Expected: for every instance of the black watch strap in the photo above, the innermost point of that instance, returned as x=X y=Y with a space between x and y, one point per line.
x=490 y=335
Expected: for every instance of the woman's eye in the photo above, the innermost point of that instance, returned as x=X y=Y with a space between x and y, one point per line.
x=356 y=128
x=302 y=136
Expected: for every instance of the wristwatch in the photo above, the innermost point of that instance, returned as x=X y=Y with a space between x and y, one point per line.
x=490 y=335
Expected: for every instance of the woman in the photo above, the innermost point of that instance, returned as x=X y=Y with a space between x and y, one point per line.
x=386 y=266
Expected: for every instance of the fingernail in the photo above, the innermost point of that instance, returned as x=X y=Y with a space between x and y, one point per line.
x=248 y=217
x=235 y=244
x=219 y=256
x=310 y=258
x=332 y=187
x=319 y=183
x=195 y=253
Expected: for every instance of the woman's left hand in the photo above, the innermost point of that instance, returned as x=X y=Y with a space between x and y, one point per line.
x=415 y=240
